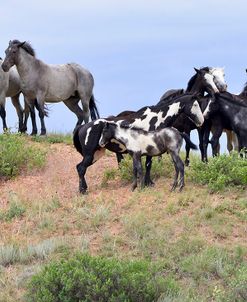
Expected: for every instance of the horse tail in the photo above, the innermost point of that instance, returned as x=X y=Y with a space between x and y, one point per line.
x=76 y=139
x=93 y=109
x=188 y=141
x=46 y=109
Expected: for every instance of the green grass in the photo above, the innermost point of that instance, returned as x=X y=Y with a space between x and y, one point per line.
x=16 y=153
x=53 y=138
x=220 y=172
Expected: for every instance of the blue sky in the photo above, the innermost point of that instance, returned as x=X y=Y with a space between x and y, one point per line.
x=136 y=50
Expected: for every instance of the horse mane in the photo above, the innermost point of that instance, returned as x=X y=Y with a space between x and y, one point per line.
x=191 y=82
x=26 y=46
x=232 y=99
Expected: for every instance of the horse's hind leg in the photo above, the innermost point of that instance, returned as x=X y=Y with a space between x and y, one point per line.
x=148 y=165
x=33 y=117
x=3 y=113
x=42 y=121
x=81 y=169
x=176 y=166
x=72 y=104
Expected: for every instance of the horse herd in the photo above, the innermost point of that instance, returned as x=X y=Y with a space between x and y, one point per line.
x=205 y=105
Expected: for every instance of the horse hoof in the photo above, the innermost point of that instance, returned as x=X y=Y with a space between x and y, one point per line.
x=187 y=163
x=83 y=191
x=180 y=189
x=149 y=183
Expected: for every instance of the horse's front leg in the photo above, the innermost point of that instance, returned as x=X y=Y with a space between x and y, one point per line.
x=205 y=141
x=137 y=170
x=26 y=115
x=215 y=140
x=19 y=110
x=81 y=169
x=119 y=158
x=187 y=149
x=148 y=165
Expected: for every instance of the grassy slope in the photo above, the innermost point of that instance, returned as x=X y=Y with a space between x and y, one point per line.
x=199 y=239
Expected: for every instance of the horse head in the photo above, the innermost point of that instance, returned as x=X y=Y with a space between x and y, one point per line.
x=193 y=111
x=205 y=81
x=12 y=53
x=219 y=78
x=107 y=133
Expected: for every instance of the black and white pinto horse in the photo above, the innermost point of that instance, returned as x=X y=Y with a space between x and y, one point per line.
x=208 y=80
x=139 y=142
x=86 y=137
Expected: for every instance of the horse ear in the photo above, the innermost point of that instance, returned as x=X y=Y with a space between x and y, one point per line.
x=197 y=70
x=246 y=69
x=10 y=42
x=21 y=44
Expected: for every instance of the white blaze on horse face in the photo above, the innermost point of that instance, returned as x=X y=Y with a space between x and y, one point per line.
x=219 y=78
x=196 y=110
x=210 y=81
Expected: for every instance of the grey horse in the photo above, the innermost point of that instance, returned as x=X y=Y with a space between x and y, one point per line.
x=41 y=82
x=10 y=87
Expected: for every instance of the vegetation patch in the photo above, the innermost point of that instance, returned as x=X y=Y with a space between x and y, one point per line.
x=54 y=138
x=220 y=172
x=88 y=278
x=16 y=153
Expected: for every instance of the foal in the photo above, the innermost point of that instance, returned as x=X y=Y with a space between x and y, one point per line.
x=139 y=142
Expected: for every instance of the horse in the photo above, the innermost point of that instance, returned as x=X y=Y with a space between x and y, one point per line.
x=232 y=141
x=139 y=142
x=10 y=87
x=51 y=83
x=199 y=83
x=86 y=137
x=206 y=79
x=228 y=111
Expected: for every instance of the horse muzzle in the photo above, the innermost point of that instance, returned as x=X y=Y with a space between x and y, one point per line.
x=5 y=68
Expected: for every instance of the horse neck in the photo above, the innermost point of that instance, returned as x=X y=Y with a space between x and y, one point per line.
x=26 y=63
x=122 y=134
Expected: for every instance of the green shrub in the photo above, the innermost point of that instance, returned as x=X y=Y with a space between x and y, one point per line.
x=16 y=209
x=220 y=172
x=16 y=153
x=87 y=278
